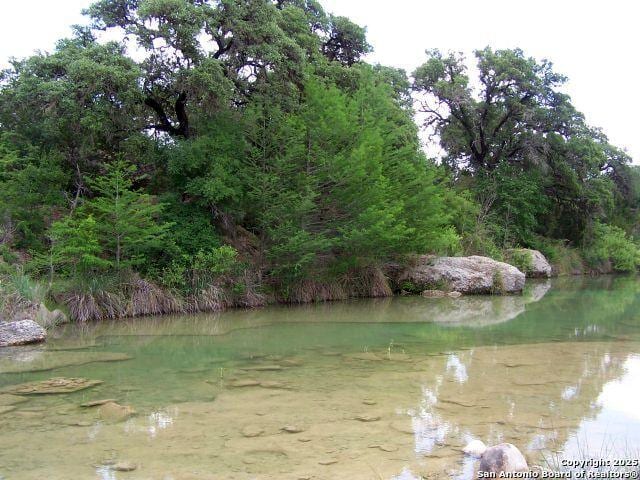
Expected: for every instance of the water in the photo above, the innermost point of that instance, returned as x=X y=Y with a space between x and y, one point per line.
x=372 y=389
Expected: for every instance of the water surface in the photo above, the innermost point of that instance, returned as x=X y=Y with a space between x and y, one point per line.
x=368 y=389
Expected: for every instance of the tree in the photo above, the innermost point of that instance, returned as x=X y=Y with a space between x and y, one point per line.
x=75 y=247
x=126 y=218
x=517 y=104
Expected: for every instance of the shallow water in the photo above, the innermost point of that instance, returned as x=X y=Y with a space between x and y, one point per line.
x=370 y=389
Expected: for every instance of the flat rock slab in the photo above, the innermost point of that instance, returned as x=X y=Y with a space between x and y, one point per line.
x=7 y=399
x=97 y=403
x=21 y=332
x=114 y=412
x=264 y=368
x=52 y=386
x=45 y=361
x=6 y=408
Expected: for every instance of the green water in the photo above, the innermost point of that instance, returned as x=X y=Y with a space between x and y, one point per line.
x=384 y=388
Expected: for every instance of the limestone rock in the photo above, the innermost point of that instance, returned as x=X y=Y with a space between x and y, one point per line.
x=504 y=457
x=97 y=403
x=53 y=385
x=21 y=332
x=114 y=412
x=475 y=448
x=125 y=467
x=466 y=275
x=292 y=429
x=251 y=431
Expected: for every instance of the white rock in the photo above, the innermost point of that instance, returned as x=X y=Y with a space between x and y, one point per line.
x=539 y=266
x=473 y=274
x=21 y=332
x=475 y=448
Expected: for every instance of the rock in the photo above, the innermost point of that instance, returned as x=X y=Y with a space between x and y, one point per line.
x=454 y=294
x=114 y=412
x=537 y=266
x=53 y=385
x=251 y=431
x=97 y=403
x=244 y=383
x=434 y=293
x=264 y=368
x=274 y=384
x=6 y=399
x=21 y=332
x=504 y=457
x=292 y=429
x=466 y=275
x=475 y=448
x=368 y=401
x=51 y=360
x=328 y=461
x=6 y=408
x=125 y=467
x=367 y=418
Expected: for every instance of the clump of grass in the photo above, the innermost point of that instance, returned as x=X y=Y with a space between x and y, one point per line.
x=209 y=299
x=367 y=282
x=146 y=298
x=18 y=293
x=311 y=290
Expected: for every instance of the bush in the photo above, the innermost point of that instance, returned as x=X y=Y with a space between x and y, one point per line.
x=521 y=259
x=611 y=243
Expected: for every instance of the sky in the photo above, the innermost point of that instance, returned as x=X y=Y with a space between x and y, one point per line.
x=594 y=43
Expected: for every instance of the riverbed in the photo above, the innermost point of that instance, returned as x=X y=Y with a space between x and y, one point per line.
x=363 y=389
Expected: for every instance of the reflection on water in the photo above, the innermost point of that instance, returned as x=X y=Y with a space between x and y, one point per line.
x=367 y=389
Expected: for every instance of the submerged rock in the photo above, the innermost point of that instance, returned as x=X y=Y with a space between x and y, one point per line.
x=244 y=383
x=6 y=408
x=251 y=431
x=21 y=332
x=125 y=467
x=504 y=457
x=44 y=361
x=114 y=412
x=292 y=429
x=7 y=399
x=51 y=386
x=97 y=403
x=367 y=418
x=466 y=275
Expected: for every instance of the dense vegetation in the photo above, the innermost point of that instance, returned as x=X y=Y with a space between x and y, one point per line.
x=249 y=154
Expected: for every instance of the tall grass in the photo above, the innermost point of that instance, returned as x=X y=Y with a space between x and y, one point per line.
x=19 y=293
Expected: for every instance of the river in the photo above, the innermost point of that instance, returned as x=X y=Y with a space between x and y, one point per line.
x=364 y=389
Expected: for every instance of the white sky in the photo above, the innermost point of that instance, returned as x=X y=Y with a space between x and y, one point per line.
x=594 y=43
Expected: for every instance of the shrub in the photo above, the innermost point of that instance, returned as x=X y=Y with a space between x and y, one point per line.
x=521 y=259
x=611 y=243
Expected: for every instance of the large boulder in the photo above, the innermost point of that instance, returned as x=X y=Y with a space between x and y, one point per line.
x=534 y=263
x=21 y=332
x=473 y=274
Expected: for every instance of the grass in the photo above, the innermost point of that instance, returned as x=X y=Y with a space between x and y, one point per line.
x=18 y=293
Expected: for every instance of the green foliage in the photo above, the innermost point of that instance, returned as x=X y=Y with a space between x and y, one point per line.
x=31 y=189
x=75 y=246
x=611 y=243
x=342 y=182
x=253 y=143
x=126 y=219
x=521 y=259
